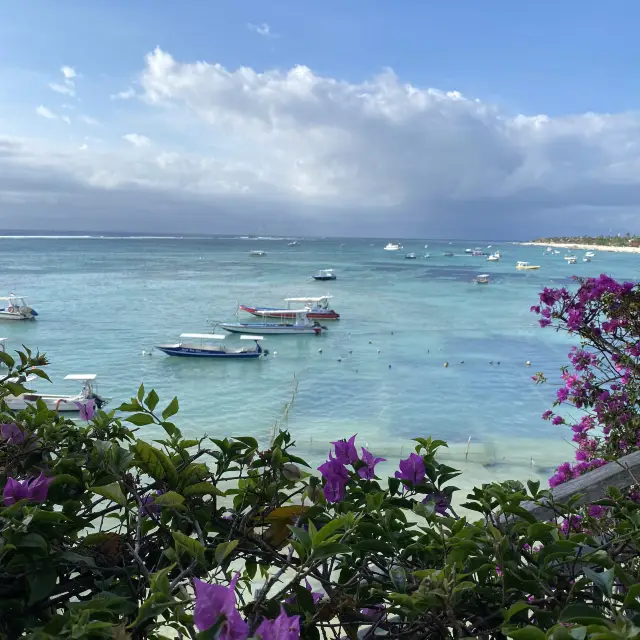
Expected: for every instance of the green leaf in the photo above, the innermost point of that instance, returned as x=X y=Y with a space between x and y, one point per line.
x=112 y=492
x=515 y=609
x=160 y=581
x=224 y=549
x=424 y=510
x=155 y=462
x=169 y=499
x=140 y=419
x=632 y=595
x=7 y=359
x=141 y=392
x=171 y=409
x=602 y=580
x=65 y=478
x=152 y=607
x=189 y=545
x=202 y=489
x=152 y=400
x=581 y=614
x=527 y=633
x=252 y=443
x=41 y=583
x=330 y=549
x=301 y=535
x=374 y=545
x=130 y=406
x=326 y=531
x=34 y=540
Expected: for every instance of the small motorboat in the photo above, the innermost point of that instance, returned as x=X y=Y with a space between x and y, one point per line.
x=258 y=254
x=526 y=266
x=469 y=251
x=586 y=259
x=448 y=254
x=494 y=257
x=571 y=259
x=302 y=325
x=478 y=252
x=317 y=309
x=293 y=243
x=426 y=255
x=16 y=308
x=589 y=254
x=483 y=278
x=325 y=274
x=410 y=256
x=209 y=349
x=60 y=403
x=393 y=247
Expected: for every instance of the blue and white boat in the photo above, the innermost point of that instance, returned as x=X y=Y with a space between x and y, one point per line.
x=16 y=308
x=302 y=325
x=209 y=349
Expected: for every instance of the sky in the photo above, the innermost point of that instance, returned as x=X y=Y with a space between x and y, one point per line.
x=496 y=119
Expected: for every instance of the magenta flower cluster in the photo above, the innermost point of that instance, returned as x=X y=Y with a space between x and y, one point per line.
x=597 y=381
x=33 y=489
x=335 y=472
x=216 y=605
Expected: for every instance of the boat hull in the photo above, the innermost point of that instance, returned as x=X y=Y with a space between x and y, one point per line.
x=194 y=352
x=5 y=315
x=60 y=404
x=268 y=312
x=258 y=328
x=323 y=278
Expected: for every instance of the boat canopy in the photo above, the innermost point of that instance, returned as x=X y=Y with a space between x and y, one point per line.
x=204 y=336
x=251 y=337
x=296 y=311
x=483 y=275
x=11 y=297
x=82 y=377
x=316 y=299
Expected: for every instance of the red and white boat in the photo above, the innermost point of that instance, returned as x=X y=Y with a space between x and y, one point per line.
x=315 y=308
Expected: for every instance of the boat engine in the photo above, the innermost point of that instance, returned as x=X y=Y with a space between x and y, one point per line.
x=265 y=352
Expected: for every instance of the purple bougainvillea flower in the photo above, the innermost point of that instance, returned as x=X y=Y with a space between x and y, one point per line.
x=282 y=628
x=336 y=477
x=346 y=450
x=214 y=601
x=87 y=410
x=441 y=502
x=32 y=489
x=368 y=470
x=149 y=505
x=412 y=469
x=597 y=511
x=12 y=433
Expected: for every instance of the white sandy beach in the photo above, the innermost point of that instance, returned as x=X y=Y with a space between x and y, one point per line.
x=585 y=247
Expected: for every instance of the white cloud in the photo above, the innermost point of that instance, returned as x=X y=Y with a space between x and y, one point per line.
x=63 y=89
x=68 y=72
x=46 y=113
x=262 y=29
x=124 y=95
x=66 y=119
x=136 y=139
x=335 y=157
x=89 y=120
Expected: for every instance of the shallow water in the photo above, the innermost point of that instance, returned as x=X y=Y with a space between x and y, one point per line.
x=102 y=302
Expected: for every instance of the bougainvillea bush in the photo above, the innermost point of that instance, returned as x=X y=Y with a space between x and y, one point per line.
x=602 y=380
x=104 y=534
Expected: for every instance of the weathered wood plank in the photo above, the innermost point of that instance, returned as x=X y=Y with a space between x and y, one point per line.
x=593 y=485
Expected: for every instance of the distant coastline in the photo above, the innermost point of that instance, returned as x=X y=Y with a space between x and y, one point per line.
x=615 y=244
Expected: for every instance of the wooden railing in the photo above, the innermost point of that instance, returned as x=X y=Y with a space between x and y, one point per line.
x=592 y=486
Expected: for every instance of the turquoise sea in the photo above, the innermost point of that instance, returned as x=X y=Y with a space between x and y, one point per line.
x=380 y=372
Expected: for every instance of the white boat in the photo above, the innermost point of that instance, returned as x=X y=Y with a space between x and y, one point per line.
x=317 y=309
x=325 y=274
x=411 y=256
x=483 y=278
x=526 y=266
x=427 y=255
x=549 y=249
x=569 y=256
x=16 y=308
x=571 y=259
x=61 y=403
x=293 y=243
x=208 y=350
x=426 y=246
x=590 y=254
x=494 y=257
x=393 y=247
x=556 y=252
x=586 y=259
x=467 y=250
x=258 y=254
x=303 y=325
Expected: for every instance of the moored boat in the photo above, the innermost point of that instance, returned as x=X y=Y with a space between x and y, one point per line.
x=483 y=278
x=61 y=403
x=571 y=259
x=208 y=347
x=410 y=256
x=325 y=274
x=16 y=308
x=393 y=246
x=303 y=325
x=448 y=254
x=317 y=309
x=494 y=257
x=526 y=266
x=258 y=254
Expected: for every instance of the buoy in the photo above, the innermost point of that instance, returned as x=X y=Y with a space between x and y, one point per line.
x=275 y=353
x=378 y=350
x=498 y=362
x=350 y=351
x=370 y=342
x=446 y=364
x=461 y=361
x=528 y=363
x=389 y=366
x=319 y=350
x=392 y=333
x=490 y=361
x=144 y=353
x=339 y=359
